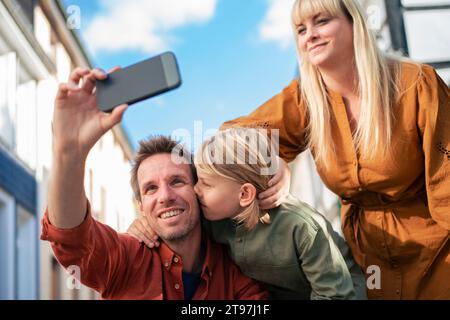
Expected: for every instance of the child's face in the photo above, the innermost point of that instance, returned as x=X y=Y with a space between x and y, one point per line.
x=218 y=196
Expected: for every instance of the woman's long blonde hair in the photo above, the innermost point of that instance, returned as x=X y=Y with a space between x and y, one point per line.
x=244 y=156
x=377 y=78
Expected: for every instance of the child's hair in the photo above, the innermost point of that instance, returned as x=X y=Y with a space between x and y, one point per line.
x=244 y=156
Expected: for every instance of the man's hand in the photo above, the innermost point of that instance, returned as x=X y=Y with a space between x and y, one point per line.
x=77 y=122
x=141 y=230
x=77 y=125
x=278 y=187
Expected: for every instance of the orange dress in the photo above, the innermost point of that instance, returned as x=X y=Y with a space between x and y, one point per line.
x=395 y=209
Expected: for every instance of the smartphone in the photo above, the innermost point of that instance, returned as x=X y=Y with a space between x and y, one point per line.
x=138 y=82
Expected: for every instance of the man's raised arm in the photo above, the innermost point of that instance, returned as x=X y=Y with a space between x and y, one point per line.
x=77 y=125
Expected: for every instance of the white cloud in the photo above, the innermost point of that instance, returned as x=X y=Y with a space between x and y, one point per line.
x=276 y=25
x=143 y=25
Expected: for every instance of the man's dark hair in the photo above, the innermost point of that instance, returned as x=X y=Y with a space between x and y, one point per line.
x=158 y=145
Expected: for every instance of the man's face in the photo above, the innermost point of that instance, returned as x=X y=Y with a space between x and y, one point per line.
x=168 y=199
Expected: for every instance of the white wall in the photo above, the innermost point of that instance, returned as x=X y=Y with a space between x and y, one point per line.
x=116 y=208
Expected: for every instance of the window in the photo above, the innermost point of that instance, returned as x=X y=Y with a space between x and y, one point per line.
x=419 y=3
x=42 y=30
x=427 y=35
x=26 y=123
x=6 y=246
x=26 y=253
x=8 y=84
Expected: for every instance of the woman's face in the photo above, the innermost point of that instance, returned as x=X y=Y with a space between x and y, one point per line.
x=326 y=41
x=218 y=196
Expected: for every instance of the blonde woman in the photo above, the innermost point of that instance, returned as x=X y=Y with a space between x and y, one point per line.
x=379 y=130
x=292 y=249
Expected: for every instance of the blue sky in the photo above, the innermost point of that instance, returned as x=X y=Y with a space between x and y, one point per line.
x=228 y=65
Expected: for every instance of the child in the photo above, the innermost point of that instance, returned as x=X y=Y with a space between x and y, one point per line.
x=292 y=249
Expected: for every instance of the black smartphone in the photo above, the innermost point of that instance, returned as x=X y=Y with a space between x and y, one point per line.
x=138 y=82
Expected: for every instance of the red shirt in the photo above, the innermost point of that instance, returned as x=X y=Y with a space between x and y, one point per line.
x=120 y=267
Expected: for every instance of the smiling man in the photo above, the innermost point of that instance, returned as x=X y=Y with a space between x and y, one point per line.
x=187 y=265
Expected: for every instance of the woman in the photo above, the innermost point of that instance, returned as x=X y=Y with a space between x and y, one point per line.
x=379 y=130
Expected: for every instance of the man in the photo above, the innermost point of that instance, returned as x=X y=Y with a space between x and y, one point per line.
x=186 y=266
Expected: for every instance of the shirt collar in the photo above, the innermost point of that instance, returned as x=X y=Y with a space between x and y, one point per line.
x=169 y=257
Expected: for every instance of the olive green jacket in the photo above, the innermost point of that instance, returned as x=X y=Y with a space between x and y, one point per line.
x=297 y=256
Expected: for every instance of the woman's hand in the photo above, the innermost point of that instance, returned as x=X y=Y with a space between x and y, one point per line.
x=278 y=187
x=141 y=230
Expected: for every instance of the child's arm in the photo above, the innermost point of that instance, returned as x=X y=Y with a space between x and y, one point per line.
x=140 y=229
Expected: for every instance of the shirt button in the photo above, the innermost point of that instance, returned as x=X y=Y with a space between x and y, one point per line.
x=177 y=286
x=175 y=259
x=360 y=189
x=166 y=264
x=397 y=291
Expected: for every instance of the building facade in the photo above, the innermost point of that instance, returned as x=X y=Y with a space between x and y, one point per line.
x=38 y=49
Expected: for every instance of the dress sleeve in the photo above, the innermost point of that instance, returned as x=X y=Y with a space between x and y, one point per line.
x=284 y=112
x=434 y=124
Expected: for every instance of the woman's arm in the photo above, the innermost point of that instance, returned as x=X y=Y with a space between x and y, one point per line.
x=284 y=116
x=434 y=124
